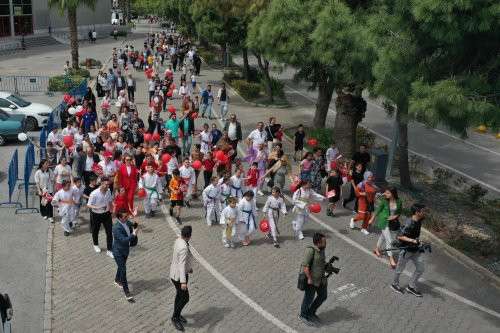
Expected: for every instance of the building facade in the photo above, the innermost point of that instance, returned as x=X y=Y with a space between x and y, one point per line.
x=18 y=17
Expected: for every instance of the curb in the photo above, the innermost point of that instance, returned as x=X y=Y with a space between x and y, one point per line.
x=47 y=308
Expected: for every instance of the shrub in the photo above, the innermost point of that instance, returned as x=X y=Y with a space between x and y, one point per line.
x=80 y=72
x=276 y=87
x=248 y=90
x=475 y=194
x=325 y=136
x=59 y=83
x=441 y=176
x=209 y=56
x=254 y=74
x=119 y=33
x=91 y=63
x=231 y=76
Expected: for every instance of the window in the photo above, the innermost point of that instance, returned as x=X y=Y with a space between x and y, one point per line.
x=18 y=100
x=4 y=103
x=23 y=21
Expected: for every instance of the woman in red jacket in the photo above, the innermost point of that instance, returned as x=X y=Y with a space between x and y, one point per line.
x=126 y=178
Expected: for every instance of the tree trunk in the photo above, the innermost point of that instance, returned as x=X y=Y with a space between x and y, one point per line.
x=404 y=167
x=223 y=50
x=246 y=66
x=73 y=36
x=325 y=92
x=351 y=110
x=264 y=69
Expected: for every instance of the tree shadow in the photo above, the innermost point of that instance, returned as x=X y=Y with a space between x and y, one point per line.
x=337 y=314
x=210 y=317
x=153 y=285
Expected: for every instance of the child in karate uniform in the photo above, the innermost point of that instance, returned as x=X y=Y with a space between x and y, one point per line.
x=225 y=190
x=236 y=183
x=247 y=223
x=150 y=181
x=77 y=197
x=211 y=201
x=188 y=180
x=65 y=203
x=302 y=197
x=229 y=216
x=272 y=209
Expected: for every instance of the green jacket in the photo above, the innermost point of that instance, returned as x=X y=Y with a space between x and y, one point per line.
x=315 y=260
x=382 y=212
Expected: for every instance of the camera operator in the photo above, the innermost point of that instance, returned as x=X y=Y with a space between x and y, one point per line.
x=314 y=265
x=409 y=239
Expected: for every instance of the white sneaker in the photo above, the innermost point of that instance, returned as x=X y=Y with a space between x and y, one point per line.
x=110 y=254
x=300 y=235
x=260 y=193
x=51 y=220
x=351 y=224
x=45 y=217
x=365 y=232
x=227 y=245
x=97 y=249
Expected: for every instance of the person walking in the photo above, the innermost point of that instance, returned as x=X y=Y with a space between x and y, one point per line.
x=44 y=179
x=222 y=99
x=131 y=87
x=180 y=268
x=317 y=284
x=99 y=204
x=207 y=99
x=233 y=129
x=124 y=236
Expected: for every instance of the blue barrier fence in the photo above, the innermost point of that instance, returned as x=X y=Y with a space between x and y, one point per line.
x=12 y=179
x=29 y=162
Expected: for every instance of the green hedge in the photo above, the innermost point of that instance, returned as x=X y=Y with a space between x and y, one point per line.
x=59 y=83
x=277 y=87
x=93 y=63
x=209 y=56
x=120 y=33
x=325 y=136
x=80 y=72
x=247 y=90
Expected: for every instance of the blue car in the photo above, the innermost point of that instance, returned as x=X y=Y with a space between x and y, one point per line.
x=10 y=126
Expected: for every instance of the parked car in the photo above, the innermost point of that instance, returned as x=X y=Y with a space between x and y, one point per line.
x=36 y=114
x=10 y=126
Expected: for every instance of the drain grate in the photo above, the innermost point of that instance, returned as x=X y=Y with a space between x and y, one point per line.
x=494 y=267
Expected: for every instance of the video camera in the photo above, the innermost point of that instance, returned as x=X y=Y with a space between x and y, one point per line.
x=329 y=268
x=420 y=247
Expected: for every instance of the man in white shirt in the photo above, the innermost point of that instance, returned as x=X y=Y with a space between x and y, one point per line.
x=100 y=201
x=54 y=137
x=258 y=136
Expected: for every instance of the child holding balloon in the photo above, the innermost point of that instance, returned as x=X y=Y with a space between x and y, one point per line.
x=151 y=185
x=272 y=209
x=229 y=216
x=301 y=199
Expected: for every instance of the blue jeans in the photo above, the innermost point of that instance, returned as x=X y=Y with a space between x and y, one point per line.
x=187 y=140
x=208 y=108
x=223 y=109
x=121 y=272
x=310 y=304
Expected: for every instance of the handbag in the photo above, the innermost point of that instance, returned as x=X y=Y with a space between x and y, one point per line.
x=394 y=225
x=302 y=279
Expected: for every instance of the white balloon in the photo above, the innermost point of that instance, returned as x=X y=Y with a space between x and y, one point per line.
x=22 y=137
x=71 y=110
x=79 y=108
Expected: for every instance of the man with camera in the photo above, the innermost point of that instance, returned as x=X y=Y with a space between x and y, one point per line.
x=124 y=236
x=411 y=250
x=314 y=267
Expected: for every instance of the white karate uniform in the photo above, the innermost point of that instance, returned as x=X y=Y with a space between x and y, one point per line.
x=151 y=183
x=236 y=187
x=272 y=209
x=211 y=202
x=229 y=217
x=77 y=197
x=205 y=142
x=331 y=155
x=188 y=177
x=172 y=165
x=225 y=192
x=66 y=211
x=301 y=200
x=247 y=223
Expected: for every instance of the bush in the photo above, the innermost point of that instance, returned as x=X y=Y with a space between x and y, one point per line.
x=91 y=63
x=441 y=177
x=80 y=72
x=325 y=136
x=276 y=87
x=248 y=90
x=475 y=194
x=119 y=33
x=254 y=74
x=230 y=76
x=59 y=83
x=209 y=56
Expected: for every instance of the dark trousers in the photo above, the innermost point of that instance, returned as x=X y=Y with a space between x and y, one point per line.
x=181 y=298
x=151 y=94
x=206 y=177
x=95 y=224
x=86 y=177
x=352 y=196
x=234 y=144
x=131 y=92
x=46 y=210
x=121 y=271
x=310 y=304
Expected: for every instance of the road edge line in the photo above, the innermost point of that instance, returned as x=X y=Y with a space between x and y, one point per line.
x=49 y=269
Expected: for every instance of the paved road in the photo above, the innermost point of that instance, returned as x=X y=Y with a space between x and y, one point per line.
x=477 y=158
x=253 y=289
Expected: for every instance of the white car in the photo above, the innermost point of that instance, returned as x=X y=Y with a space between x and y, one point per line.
x=36 y=114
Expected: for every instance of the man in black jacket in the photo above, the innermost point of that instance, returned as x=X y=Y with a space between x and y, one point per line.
x=271 y=129
x=233 y=129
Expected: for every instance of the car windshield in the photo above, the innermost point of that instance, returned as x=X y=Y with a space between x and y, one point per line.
x=4 y=116
x=18 y=100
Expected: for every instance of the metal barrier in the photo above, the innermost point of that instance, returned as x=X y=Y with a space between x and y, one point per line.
x=12 y=180
x=29 y=162
x=19 y=84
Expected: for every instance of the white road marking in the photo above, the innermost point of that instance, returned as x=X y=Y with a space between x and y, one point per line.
x=489 y=186
x=225 y=282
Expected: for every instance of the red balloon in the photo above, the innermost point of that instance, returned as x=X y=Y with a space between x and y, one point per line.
x=171 y=108
x=312 y=142
x=66 y=98
x=147 y=137
x=170 y=93
x=264 y=226
x=219 y=155
x=315 y=208
x=293 y=187
x=141 y=193
x=196 y=165
x=194 y=115
x=224 y=159
x=71 y=101
x=156 y=136
x=68 y=140
x=165 y=158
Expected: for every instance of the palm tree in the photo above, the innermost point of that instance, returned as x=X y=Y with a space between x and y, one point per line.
x=71 y=6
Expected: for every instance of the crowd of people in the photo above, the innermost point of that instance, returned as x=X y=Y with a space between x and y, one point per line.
x=104 y=154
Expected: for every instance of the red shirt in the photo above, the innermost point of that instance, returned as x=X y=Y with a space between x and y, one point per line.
x=120 y=202
x=253 y=177
x=208 y=165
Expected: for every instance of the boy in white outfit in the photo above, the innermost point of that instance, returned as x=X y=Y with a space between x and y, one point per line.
x=151 y=183
x=63 y=199
x=211 y=201
x=301 y=199
x=331 y=155
x=225 y=191
x=188 y=177
x=247 y=223
x=272 y=209
x=236 y=183
x=229 y=216
x=77 y=197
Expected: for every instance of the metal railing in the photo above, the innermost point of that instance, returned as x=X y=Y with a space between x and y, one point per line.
x=20 y=84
